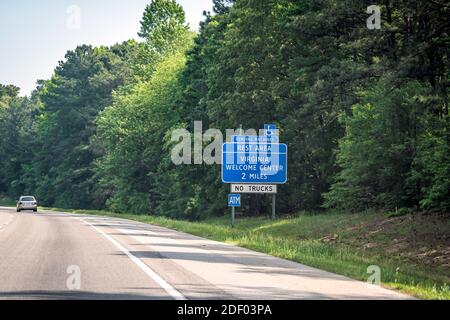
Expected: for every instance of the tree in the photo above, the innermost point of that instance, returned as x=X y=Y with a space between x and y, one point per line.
x=8 y=91
x=406 y=111
x=163 y=25
x=377 y=151
x=16 y=132
x=161 y=15
x=194 y=191
x=364 y=112
x=81 y=87
x=132 y=130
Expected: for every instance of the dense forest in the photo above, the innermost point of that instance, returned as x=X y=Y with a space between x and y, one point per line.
x=364 y=111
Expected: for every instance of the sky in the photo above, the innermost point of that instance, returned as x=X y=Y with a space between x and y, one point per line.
x=36 y=34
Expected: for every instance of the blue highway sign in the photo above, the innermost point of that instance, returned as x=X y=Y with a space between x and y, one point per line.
x=270 y=129
x=255 y=139
x=234 y=200
x=250 y=162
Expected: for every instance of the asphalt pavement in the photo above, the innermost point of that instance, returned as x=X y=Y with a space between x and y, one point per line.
x=53 y=255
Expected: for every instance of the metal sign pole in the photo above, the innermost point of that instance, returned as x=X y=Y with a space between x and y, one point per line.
x=274 y=200
x=233 y=216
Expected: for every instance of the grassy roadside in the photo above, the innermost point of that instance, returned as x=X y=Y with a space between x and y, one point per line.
x=412 y=251
x=6 y=202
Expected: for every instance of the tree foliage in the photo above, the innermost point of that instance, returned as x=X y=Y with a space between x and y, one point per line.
x=364 y=112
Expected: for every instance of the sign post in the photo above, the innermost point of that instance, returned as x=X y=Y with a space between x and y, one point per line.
x=254 y=164
x=274 y=201
x=233 y=216
x=234 y=200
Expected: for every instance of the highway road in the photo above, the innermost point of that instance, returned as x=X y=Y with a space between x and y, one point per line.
x=52 y=255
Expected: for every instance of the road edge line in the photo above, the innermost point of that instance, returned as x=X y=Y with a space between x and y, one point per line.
x=174 y=293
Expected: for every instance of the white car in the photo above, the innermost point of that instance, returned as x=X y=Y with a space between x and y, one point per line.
x=27 y=203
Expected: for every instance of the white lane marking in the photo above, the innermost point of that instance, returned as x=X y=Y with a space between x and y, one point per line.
x=152 y=274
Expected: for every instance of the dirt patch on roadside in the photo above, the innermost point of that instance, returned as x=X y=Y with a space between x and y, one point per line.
x=423 y=238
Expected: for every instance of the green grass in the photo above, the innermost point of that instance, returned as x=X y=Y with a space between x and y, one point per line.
x=301 y=239
x=7 y=202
